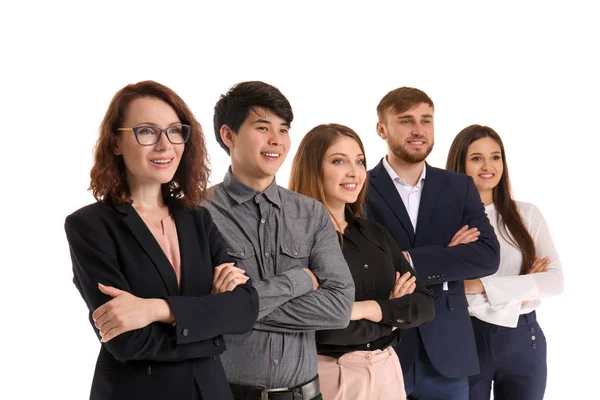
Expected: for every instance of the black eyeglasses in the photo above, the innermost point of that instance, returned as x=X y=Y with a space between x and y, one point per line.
x=149 y=135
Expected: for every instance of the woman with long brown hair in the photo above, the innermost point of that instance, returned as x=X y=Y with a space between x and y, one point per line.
x=149 y=262
x=359 y=362
x=510 y=343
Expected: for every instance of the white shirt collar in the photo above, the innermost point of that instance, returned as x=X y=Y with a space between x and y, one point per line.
x=396 y=178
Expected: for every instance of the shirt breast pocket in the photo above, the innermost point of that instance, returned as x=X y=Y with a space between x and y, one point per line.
x=295 y=253
x=240 y=250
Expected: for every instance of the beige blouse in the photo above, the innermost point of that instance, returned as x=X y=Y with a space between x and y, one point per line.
x=166 y=236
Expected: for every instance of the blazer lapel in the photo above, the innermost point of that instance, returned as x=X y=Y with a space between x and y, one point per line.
x=186 y=234
x=429 y=198
x=382 y=182
x=147 y=241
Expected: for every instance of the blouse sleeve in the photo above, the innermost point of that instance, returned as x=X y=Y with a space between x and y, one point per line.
x=413 y=309
x=508 y=291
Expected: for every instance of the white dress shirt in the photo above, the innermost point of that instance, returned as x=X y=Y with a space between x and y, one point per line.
x=411 y=197
x=501 y=304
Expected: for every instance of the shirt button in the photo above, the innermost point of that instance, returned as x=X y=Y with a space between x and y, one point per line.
x=266 y=254
x=368 y=356
x=533 y=346
x=366 y=266
x=185 y=332
x=217 y=342
x=262 y=221
x=532 y=330
x=242 y=253
x=258 y=197
x=276 y=361
x=295 y=253
x=533 y=337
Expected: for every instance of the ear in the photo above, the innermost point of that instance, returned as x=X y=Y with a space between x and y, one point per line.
x=381 y=131
x=115 y=145
x=227 y=136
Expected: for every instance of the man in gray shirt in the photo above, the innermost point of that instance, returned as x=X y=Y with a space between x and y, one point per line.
x=286 y=244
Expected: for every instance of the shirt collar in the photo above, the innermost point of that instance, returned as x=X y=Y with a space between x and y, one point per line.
x=241 y=193
x=396 y=178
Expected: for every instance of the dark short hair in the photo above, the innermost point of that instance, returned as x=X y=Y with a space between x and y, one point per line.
x=233 y=107
x=401 y=100
x=108 y=182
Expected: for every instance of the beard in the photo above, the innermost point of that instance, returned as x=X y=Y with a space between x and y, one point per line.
x=400 y=151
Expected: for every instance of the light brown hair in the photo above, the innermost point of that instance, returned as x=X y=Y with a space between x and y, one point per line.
x=401 y=100
x=307 y=169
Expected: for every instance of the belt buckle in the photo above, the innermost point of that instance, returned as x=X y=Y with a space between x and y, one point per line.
x=264 y=394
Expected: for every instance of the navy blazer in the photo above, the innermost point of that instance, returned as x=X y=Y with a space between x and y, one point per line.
x=112 y=245
x=448 y=202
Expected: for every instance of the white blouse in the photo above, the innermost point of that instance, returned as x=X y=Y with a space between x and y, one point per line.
x=501 y=304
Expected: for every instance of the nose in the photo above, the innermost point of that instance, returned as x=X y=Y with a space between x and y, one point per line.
x=163 y=142
x=351 y=173
x=274 y=139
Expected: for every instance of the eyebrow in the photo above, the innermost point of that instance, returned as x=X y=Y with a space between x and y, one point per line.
x=480 y=154
x=264 y=121
x=410 y=116
x=153 y=124
x=345 y=155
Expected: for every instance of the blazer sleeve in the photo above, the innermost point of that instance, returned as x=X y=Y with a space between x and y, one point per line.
x=328 y=307
x=95 y=260
x=230 y=312
x=438 y=264
x=413 y=309
x=508 y=291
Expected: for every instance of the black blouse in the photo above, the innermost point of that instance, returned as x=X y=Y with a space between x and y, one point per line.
x=374 y=257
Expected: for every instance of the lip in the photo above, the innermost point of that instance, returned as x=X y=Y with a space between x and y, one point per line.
x=350 y=188
x=167 y=162
x=416 y=143
x=271 y=155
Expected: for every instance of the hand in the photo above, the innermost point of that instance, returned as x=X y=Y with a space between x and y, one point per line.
x=539 y=265
x=464 y=235
x=124 y=313
x=313 y=277
x=474 y=286
x=405 y=284
x=227 y=277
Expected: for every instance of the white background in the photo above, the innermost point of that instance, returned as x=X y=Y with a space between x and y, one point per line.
x=528 y=69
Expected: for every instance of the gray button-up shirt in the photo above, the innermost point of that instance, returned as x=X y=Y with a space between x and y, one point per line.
x=272 y=235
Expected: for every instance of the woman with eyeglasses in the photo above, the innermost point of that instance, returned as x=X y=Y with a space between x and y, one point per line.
x=359 y=362
x=510 y=343
x=149 y=262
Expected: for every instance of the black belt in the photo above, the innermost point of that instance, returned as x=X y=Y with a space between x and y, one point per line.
x=305 y=391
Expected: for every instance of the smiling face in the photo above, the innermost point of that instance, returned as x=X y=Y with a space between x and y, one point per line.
x=409 y=134
x=148 y=165
x=258 y=148
x=343 y=172
x=484 y=164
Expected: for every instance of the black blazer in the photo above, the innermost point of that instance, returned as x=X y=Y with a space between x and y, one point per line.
x=448 y=201
x=112 y=245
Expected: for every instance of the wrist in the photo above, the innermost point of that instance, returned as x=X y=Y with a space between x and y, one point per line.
x=161 y=311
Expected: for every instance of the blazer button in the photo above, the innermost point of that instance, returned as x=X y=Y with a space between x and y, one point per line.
x=185 y=332
x=148 y=370
x=217 y=342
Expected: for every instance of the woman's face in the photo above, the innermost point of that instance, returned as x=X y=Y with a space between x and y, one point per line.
x=154 y=164
x=484 y=163
x=343 y=172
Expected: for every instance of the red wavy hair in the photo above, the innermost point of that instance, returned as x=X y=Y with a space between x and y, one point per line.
x=108 y=182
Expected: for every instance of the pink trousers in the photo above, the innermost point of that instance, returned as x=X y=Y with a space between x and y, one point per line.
x=362 y=375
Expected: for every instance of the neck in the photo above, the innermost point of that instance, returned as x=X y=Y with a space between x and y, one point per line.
x=337 y=213
x=487 y=197
x=257 y=183
x=409 y=172
x=145 y=195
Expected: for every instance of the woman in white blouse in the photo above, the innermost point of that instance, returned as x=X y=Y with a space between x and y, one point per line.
x=510 y=343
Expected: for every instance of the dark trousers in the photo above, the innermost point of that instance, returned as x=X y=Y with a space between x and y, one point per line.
x=423 y=381
x=514 y=359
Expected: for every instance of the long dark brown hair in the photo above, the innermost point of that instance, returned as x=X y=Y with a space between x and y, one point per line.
x=514 y=230
x=108 y=182
x=307 y=169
